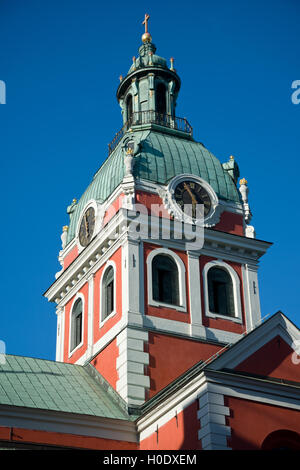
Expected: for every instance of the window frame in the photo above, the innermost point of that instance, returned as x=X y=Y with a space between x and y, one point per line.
x=182 y=307
x=71 y=326
x=237 y=317
x=102 y=293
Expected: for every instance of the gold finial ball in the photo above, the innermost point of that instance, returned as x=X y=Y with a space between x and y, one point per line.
x=65 y=228
x=146 y=38
x=243 y=181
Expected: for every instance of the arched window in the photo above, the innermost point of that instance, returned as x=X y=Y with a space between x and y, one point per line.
x=161 y=101
x=165 y=283
x=108 y=293
x=76 y=324
x=220 y=292
x=129 y=109
x=282 y=439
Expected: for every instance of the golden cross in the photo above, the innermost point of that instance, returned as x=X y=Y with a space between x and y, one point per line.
x=145 y=22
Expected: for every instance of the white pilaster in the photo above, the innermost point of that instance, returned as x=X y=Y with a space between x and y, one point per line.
x=196 y=327
x=251 y=295
x=131 y=363
x=212 y=415
x=60 y=312
x=90 y=340
x=132 y=284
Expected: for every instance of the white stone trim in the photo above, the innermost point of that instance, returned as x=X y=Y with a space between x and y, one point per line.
x=79 y=295
x=195 y=294
x=102 y=295
x=132 y=383
x=236 y=291
x=60 y=334
x=183 y=328
x=212 y=414
x=90 y=339
x=240 y=249
x=251 y=295
x=132 y=279
x=68 y=423
x=181 y=279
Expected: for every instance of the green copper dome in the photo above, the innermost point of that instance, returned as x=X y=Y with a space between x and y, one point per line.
x=161 y=157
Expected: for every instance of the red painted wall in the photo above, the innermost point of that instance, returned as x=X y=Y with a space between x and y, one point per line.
x=180 y=433
x=20 y=435
x=252 y=422
x=113 y=209
x=69 y=258
x=105 y=363
x=231 y=223
x=148 y=200
x=274 y=359
x=170 y=356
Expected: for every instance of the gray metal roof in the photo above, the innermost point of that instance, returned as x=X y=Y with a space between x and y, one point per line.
x=57 y=386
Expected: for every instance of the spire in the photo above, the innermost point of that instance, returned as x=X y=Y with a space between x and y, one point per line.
x=146 y=36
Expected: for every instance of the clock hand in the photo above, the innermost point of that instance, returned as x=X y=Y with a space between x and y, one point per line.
x=194 y=200
x=86 y=224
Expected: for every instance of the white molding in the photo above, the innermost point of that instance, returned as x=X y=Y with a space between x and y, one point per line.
x=236 y=291
x=79 y=295
x=181 y=279
x=165 y=325
x=253 y=389
x=102 y=295
x=68 y=423
x=242 y=249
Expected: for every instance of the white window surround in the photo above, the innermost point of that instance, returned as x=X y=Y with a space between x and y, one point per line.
x=78 y=296
x=102 y=294
x=236 y=291
x=181 y=279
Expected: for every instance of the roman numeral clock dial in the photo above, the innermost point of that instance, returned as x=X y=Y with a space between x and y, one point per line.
x=87 y=226
x=192 y=193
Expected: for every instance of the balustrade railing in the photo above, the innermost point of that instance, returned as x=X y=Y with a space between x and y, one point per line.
x=153 y=117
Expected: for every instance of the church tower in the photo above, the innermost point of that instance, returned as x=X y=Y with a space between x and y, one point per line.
x=137 y=296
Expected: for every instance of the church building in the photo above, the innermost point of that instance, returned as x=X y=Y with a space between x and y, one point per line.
x=160 y=339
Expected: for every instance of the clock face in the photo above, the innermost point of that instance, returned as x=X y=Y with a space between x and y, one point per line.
x=87 y=226
x=191 y=192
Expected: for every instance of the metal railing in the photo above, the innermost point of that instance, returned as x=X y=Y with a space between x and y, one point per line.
x=153 y=117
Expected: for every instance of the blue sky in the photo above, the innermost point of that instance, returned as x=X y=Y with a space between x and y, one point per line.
x=61 y=62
